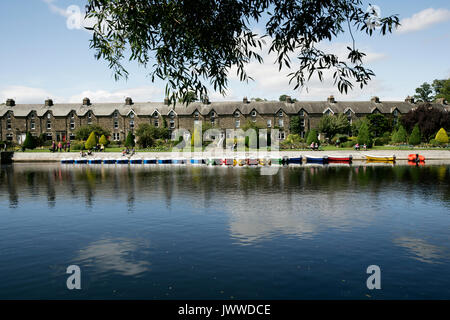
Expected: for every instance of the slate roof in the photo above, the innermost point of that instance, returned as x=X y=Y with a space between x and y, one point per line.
x=221 y=108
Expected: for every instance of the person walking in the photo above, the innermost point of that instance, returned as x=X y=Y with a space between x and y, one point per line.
x=68 y=146
x=53 y=146
x=59 y=146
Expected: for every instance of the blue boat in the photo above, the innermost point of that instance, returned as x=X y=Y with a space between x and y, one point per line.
x=321 y=160
x=81 y=161
x=109 y=161
x=179 y=161
x=164 y=161
x=150 y=161
x=297 y=160
x=123 y=161
x=197 y=161
x=136 y=161
x=95 y=161
x=67 y=161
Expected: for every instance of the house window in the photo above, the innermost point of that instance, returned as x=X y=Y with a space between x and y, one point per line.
x=213 y=121
x=269 y=123
x=8 y=124
x=72 y=136
x=116 y=136
x=132 y=115
x=196 y=114
x=49 y=125
x=49 y=116
x=32 y=125
x=328 y=112
x=238 y=123
x=236 y=114
x=172 y=114
x=172 y=124
x=72 y=124
x=32 y=116
x=301 y=113
x=253 y=113
x=281 y=135
x=49 y=136
x=116 y=114
x=280 y=114
x=116 y=124
x=280 y=123
x=132 y=124
x=9 y=137
x=156 y=123
x=9 y=115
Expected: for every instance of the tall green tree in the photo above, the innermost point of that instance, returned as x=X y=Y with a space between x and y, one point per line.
x=192 y=44
x=401 y=136
x=30 y=142
x=442 y=89
x=331 y=125
x=91 y=142
x=424 y=93
x=415 y=138
x=364 y=135
x=442 y=136
x=378 y=124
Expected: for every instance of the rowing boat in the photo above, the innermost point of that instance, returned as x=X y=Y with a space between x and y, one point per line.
x=316 y=159
x=340 y=159
x=297 y=160
x=380 y=158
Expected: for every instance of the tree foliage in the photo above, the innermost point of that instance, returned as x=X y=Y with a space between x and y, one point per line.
x=400 y=136
x=364 y=136
x=424 y=93
x=415 y=138
x=429 y=120
x=147 y=134
x=296 y=126
x=30 y=142
x=91 y=142
x=312 y=137
x=190 y=44
x=332 y=125
x=103 y=140
x=378 y=124
x=129 y=141
x=442 y=136
x=442 y=89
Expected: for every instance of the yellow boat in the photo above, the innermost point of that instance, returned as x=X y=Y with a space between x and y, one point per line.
x=380 y=158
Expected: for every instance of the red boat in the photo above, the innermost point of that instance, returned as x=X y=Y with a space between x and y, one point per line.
x=340 y=159
x=416 y=157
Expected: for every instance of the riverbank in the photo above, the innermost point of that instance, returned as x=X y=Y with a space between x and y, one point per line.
x=357 y=155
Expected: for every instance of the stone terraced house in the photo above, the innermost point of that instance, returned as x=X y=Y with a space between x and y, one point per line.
x=60 y=121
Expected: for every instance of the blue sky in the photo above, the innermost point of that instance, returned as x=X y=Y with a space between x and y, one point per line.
x=42 y=58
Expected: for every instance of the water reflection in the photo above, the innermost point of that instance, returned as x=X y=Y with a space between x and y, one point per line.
x=115 y=255
x=421 y=250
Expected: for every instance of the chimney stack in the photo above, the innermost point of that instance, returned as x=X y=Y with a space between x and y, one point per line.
x=128 y=101
x=331 y=99
x=86 y=102
x=245 y=100
x=48 y=102
x=205 y=100
x=10 y=102
x=288 y=99
x=375 y=99
x=409 y=99
x=166 y=101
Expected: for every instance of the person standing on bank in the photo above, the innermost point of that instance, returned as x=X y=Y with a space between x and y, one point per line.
x=68 y=146
x=59 y=146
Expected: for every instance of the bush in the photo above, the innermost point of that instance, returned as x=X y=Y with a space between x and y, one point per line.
x=91 y=141
x=400 y=136
x=349 y=144
x=341 y=137
x=129 y=142
x=84 y=132
x=415 y=137
x=30 y=142
x=77 y=146
x=378 y=142
x=312 y=137
x=103 y=140
x=364 y=135
x=442 y=136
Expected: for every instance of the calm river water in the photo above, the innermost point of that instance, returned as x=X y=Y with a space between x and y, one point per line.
x=184 y=232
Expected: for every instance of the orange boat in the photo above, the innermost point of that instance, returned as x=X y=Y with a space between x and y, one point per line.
x=416 y=158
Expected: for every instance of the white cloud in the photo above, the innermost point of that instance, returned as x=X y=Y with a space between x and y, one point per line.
x=139 y=94
x=271 y=82
x=423 y=20
x=75 y=18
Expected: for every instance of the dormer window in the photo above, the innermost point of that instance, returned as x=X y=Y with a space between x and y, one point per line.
x=253 y=113
x=49 y=116
x=132 y=115
x=116 y=114
x=280 y=114
x=172 y=114
x=213 y=114
x=196 y=114
x=89 y=115
x=301 y=113
x=395 y=113
x=236 y=114
x=155 y=114
x=9 y=115
x=72 y=116
x=328 y=112
x=32 y=116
